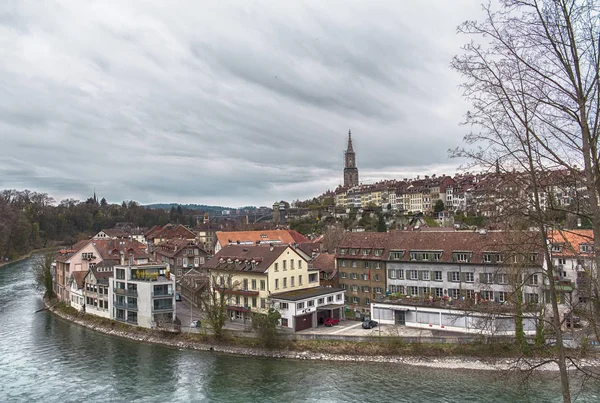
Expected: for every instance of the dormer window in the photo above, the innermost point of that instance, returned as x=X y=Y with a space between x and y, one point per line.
x=556 y=247
x=377 y=252
x=585 y=248
x=343 y=251
x=396 y=255
x=365 y=252
x=462 y=256
x=354 y=251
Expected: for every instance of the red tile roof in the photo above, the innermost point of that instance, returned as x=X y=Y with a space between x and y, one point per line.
x=263 y=256
x=570 y=241
x=324 y=262
x=265 y=236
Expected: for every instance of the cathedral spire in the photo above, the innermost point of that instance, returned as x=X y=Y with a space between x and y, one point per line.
x=349 y=142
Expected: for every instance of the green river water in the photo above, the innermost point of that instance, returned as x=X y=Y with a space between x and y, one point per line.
x=45 y=359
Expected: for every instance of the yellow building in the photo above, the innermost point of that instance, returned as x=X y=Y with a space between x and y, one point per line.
x=250 y=274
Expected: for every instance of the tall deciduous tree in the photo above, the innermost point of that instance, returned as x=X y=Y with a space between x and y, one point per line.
x=532 y=81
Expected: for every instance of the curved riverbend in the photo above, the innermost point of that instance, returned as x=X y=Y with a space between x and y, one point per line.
x=47 y=359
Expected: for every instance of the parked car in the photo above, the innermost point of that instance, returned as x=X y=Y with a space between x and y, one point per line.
x=369 y=324
x=195 y=323
x=177 y=297
x=331 y=321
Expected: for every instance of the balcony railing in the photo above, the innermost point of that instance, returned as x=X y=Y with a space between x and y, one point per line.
x=124 y=305
x=129 y=321
x=162 y=294
x=162 y=309
x=130 y=293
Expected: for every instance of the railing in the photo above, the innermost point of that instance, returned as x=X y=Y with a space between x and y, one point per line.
x=131 y=293
x=162 y=294
x=124 y=305
x=129 y=321
x=169 y=327
x=162 y=309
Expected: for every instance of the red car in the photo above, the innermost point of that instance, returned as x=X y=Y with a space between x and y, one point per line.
x=331 y=321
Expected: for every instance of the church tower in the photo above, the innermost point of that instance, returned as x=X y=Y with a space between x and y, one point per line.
x=350 y=169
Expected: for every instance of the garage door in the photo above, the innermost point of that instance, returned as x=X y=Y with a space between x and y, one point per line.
x=303 y=322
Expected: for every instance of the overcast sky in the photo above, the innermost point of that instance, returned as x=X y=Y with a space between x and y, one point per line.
x=230 y=103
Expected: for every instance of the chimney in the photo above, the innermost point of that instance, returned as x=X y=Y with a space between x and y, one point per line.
x=122 y=258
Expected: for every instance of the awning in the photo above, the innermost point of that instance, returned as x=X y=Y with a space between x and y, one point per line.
x=394 y=308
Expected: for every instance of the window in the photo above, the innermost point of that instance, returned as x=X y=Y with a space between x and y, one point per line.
x=454 y=276
x=254 y=284
x=556 y=247
x=178 y=261
x=461 y=257
x=377 y=277
x=262 y=285
x=355 y=300
x=245 y=284
x=283 y=305
x=276 y=283
x=354 y=251
x=392 y=273
x=366 y=289
x=531 y=298
x=487 y=295
x=353 y=276
x=354 y=263
x=330 y=299
x=502 y=278
x=254 y=302
x=533 y=279
x=343 y=251
x=321 y=301
x=425 y=275
x=470 y=277
x=470 y=294
x=285 y=265
x=263 y=303
x=299 y=264
x=437 y=276
x=300 y=280
x=413 y=274
x=502 y=296
x=276 y=266
x=342 y=263
x=339 y=297
x=285 y=282
x=397 y=255
x=400 y=274
x=292 y=281
x=562 y=261
x=365 y=252
x=487 y=278
x=414 y=291
x=354 y=288
x=343 y=275
x=300 y=305
x=454 y=293
x=367 y=265
x=311 y=303
x=585 y=248
x=439 y=292
x=291 y=264
x=377 y=252
x=367 y=301
x=487 y=258
x=377 y=290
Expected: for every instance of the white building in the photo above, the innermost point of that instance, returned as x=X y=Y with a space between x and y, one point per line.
x=143 y=295
x=308 y=308
x=451 y=320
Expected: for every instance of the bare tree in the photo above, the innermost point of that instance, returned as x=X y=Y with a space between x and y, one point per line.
x=221 y=286
x=533 y=86
x=43 y=273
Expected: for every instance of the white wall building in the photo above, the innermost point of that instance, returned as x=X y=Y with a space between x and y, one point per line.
x=143 y=295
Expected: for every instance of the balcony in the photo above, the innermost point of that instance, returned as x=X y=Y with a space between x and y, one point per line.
x=162 y=294
x=163 y=308
x=128 y=321
x=124 y=305
x=129 y=293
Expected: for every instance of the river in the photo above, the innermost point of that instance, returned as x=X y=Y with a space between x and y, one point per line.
x=46 y=359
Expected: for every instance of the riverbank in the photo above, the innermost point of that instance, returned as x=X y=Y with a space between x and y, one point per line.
x=433 y=356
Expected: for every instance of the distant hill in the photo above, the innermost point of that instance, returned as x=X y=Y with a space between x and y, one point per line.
x=167 y=206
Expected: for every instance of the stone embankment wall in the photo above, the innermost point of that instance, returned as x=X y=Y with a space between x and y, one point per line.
x=179 y=341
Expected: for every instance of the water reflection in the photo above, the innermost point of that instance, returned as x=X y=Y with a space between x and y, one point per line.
x=46 y=359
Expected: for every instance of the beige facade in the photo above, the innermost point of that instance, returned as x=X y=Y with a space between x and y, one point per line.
x=290 y=272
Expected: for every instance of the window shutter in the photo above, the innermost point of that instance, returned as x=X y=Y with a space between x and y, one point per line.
x=462 y=277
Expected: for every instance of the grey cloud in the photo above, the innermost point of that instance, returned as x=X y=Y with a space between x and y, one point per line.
x=220 y=103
